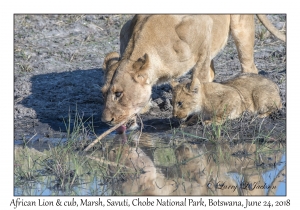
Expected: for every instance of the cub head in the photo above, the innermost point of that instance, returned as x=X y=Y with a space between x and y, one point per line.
x=186 y=98
x=126 y=89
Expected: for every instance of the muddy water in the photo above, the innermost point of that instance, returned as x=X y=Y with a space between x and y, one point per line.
x=165 y=164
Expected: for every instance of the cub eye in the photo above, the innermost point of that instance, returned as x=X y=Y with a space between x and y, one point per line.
x=118 y=94
x=179 y=103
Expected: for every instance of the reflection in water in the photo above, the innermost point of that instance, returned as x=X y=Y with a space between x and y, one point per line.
x=200 y=170
x=176 y=167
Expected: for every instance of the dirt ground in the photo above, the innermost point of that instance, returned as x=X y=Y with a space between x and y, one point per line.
x=58 y=72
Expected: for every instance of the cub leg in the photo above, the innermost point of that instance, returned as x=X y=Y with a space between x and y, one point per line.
x=192 y=121
x=243 y=32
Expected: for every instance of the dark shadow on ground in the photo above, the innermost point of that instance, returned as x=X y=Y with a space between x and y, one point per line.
x=57 y=96
x=159 y=125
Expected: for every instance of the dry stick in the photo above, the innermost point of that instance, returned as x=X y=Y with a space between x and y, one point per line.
x=106 y=133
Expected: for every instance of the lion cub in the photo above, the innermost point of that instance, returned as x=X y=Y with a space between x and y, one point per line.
x=227 y=100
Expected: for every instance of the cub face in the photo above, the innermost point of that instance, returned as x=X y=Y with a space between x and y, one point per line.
x=126 y=90
x=185 y=99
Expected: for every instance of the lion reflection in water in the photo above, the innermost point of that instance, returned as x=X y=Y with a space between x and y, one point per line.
x=197 y=173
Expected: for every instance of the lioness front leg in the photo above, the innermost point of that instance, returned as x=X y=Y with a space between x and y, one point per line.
x=243 y=31
x=132 y=124
x=203 y=67
x=204 y=70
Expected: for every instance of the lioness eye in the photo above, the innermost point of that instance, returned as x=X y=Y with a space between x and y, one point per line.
x=118 y=94
x=179 y=103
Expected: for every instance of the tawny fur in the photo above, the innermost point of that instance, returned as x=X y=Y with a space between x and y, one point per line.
x=217 y=102
x=157 y=48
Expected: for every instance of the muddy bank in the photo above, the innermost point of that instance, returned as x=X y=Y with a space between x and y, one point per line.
x=58 y=73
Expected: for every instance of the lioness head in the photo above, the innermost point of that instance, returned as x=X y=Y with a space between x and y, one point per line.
x=126 y=89
x=186 y=98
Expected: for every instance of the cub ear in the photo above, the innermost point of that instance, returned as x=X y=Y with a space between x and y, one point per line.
x=195 y=85
x=173 y=83
x=110 y=59
x=141 y=67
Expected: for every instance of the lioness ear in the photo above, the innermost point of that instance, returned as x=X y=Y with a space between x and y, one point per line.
x=141 y=66
x=173 y=83
x=110 y=59
x=194 y=86
x=142 y=63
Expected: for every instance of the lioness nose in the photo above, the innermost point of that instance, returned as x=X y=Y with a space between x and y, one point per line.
x=108 y=121
x=105 y=119
x=107 y=116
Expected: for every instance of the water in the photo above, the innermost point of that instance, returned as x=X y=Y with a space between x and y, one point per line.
x=199 y=168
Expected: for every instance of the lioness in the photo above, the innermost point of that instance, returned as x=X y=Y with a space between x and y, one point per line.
x=227 y=100
x=157 y=48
